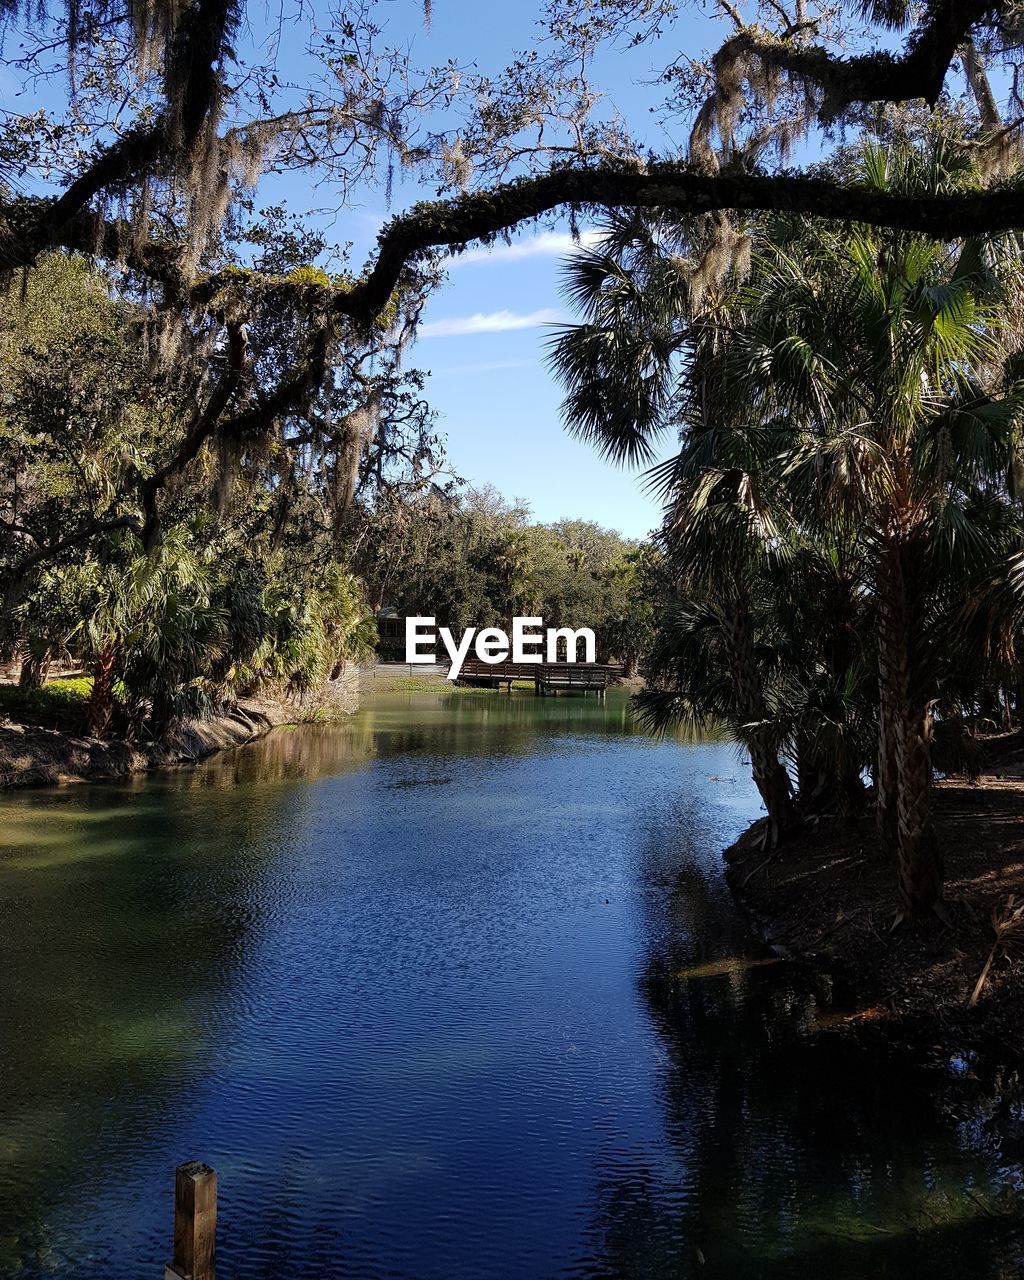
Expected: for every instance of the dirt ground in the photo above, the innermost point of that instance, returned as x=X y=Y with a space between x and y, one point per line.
x=829 y=897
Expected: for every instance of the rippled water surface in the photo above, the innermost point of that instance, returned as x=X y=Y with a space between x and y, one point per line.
x=453 y=990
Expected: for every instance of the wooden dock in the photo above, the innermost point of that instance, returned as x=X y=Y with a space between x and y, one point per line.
x=546 y=677
x=575 y=677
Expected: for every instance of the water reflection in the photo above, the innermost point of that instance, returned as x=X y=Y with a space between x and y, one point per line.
x=798 y=1153
x=115 y=963
x=455 y=990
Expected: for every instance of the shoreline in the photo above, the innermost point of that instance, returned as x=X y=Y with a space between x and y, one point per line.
x=32 y=756
x=826 y=899
x=36 y=756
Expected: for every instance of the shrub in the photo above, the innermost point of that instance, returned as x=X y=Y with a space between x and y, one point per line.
x=60 y=704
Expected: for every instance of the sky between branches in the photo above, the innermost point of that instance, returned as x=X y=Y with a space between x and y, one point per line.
x=483 y=334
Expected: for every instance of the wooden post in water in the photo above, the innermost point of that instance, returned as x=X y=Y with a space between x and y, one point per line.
x=195 y=1223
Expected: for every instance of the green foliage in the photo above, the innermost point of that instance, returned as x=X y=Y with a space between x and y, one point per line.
x=844 y=500
x=60 y=704
x=474 y=559
x=241 y=590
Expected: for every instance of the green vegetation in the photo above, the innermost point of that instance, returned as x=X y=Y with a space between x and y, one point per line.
x=475 y=559
x=218 y=467
x=843 y=513
x=236 y=591
x=59 y=704
x=261 y=566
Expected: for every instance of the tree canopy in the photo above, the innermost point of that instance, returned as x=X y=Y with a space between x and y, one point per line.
x=165 y=112
x=161 y=118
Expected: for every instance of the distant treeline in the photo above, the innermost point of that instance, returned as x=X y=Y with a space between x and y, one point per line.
x=475 y=559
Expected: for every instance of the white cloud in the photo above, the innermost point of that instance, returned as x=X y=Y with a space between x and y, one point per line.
x=546 y=244
x=491 y=322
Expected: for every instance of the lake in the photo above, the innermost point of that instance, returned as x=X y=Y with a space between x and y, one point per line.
x=454 y=989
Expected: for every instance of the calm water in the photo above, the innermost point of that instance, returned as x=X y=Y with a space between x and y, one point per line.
x=452 y=991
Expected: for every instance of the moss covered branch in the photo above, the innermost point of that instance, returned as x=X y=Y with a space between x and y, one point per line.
x=484 y=215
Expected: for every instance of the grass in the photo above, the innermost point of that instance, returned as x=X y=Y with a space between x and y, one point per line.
x=60 y=704
x=426 y=684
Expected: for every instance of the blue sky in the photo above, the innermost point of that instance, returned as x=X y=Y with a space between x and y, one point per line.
x=500 y=405
x=483 y=334
x=482 y=341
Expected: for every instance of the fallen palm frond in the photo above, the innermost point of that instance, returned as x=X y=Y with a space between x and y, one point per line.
x=1008 y=926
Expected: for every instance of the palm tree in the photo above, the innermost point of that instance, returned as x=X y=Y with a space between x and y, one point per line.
x=646 y=324
x=148 y=626
x=872 y=342
x=847 y=401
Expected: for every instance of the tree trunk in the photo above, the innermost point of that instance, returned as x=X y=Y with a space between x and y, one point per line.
x=770 y=775
x=891 y=681
x=920 y=863
x=905 y=731
x=815 y=790
x=101 y=700
x=34 y=670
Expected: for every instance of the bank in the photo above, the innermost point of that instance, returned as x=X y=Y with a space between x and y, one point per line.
x=49 y=749
x=40 y=755
x=828 y=899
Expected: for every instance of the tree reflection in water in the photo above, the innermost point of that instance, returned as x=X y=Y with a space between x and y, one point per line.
x=799 y=1147
x=454 y=990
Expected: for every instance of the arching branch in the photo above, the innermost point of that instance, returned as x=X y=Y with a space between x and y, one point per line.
x=486 y=214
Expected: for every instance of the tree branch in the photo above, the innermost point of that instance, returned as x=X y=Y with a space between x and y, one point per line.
x=483 y=215
x=203 y=425
x=14 y=577
x=455 y=222
x=919 y=72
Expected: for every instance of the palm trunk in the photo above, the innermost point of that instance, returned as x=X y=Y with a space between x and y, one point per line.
x=905 y=730
x=770 y=775
x=891 y=683
x=920 y=863
x=815 y=792
x=101 y=700
x=34 y=670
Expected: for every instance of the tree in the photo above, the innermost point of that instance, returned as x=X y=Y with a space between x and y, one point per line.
x=647 y=316
x=876 y=343
x=246 y=584
x=639 y=584
x=176 y=140
x=269 y=360
x=848 y=417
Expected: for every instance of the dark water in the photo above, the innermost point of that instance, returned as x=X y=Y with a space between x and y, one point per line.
x=453 y=991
